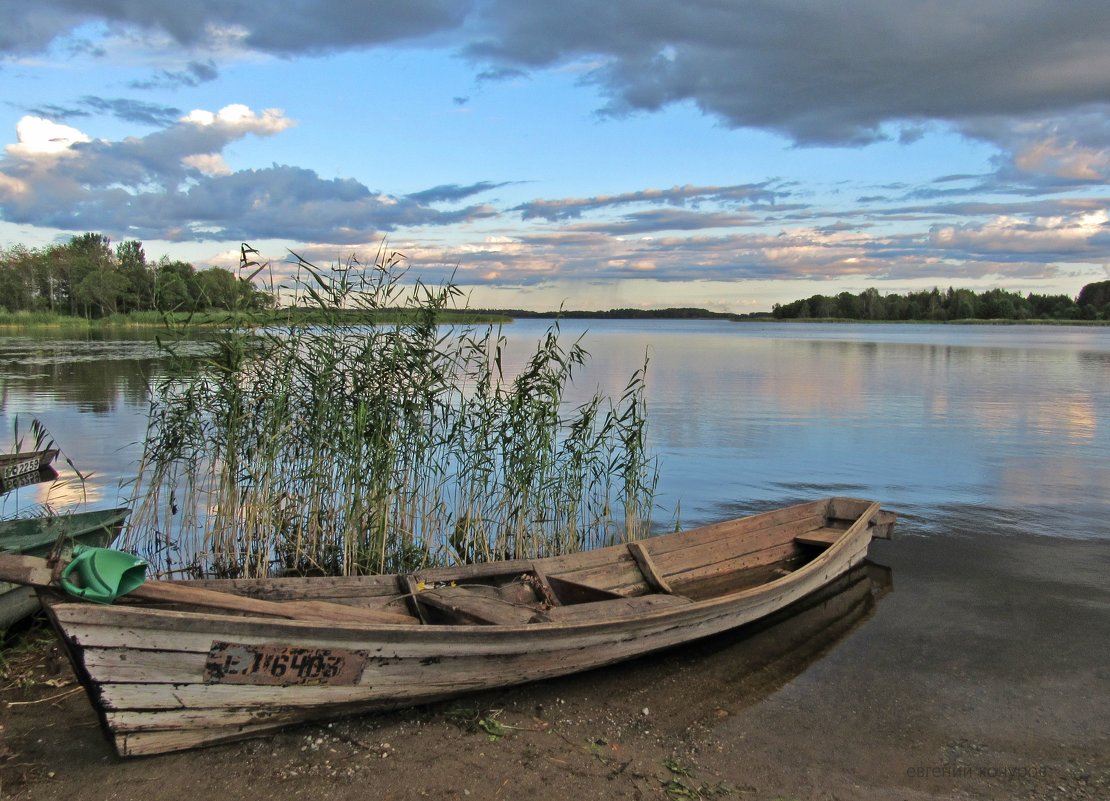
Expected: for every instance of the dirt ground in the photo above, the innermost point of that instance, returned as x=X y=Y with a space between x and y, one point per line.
x=974 y=668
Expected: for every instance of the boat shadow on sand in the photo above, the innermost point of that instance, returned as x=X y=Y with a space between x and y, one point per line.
x=723 y=673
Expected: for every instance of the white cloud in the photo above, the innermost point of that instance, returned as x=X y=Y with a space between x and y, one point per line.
x=175 y=185
x=240 y=119
x=1065 y=156
x=207 y=163
x=1064 y=160
x=1043 y=235
x=1053 y=150
x=573 y=208
x=41 y=137
x=12 y=187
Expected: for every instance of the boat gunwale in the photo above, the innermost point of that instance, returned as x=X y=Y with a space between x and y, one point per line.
x=144 y=617
x=90 y=520
x=113 y=513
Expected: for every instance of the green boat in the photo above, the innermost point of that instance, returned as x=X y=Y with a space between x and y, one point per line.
x=35 y=536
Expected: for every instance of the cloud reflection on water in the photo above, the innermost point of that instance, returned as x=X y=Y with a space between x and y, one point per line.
x=743 y=416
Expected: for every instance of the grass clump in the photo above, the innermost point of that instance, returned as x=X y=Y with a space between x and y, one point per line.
x=315 y=447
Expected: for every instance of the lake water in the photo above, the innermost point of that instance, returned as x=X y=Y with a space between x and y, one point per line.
x=1009 y=425
x=992 y=444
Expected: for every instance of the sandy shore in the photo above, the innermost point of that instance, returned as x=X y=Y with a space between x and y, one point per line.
x=974 y=668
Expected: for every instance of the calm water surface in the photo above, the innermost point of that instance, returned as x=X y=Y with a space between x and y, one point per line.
x=993 y=444
x=1006 y=426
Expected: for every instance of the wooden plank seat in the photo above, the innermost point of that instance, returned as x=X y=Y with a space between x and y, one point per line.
x=469 y=605
x=647 y=566
x=481 y=605
x=569 y=592
x=823 y=537
x=611 y=609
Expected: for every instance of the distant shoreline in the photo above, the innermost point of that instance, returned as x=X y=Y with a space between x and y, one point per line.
x=969 y=321
x=43 y=321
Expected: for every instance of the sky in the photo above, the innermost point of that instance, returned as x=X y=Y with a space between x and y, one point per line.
x=723 y=154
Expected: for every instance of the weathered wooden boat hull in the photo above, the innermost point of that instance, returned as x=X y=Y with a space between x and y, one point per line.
x=36 y=536
x=165 y=679
x=18 y=464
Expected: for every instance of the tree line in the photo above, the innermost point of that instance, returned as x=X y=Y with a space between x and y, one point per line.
x=89 y=278
x=1093 y=303
x=683 y=313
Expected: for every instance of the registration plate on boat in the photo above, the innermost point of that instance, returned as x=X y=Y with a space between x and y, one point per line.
x=281 y=665
x=29 y=465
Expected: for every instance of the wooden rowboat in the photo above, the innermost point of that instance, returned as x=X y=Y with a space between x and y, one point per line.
x=18 y=464
x=36 y=536
x=176 y=665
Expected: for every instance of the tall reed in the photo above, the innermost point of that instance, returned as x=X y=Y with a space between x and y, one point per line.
x=321 y=448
